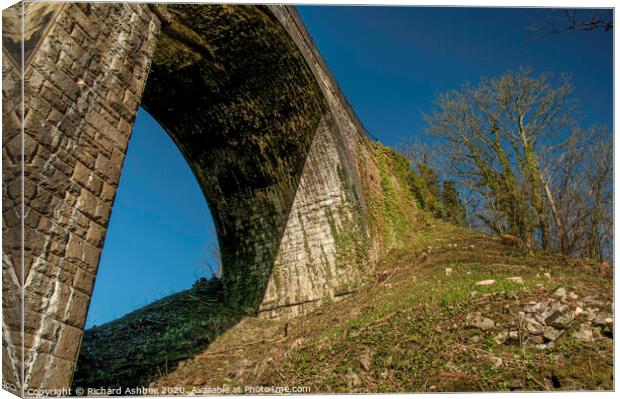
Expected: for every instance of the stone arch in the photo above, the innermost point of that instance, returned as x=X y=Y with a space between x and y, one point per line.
x=253 y=108
x=244 y=109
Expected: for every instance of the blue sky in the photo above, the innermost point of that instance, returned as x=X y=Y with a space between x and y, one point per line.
x=390 y=63
x=159 y=231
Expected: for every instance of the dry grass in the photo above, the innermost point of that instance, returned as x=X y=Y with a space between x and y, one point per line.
x=404 y=331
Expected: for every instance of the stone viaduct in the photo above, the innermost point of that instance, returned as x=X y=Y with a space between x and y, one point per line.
x=299 y=194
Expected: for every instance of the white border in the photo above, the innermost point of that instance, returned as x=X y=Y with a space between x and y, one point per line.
x=458 y=3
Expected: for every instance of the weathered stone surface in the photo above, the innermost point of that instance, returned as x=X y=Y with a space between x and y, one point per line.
x=551 y=333
x=558 y=319
x=584 y=333
x=560 y=292
x=285 y=165
x=533 y=327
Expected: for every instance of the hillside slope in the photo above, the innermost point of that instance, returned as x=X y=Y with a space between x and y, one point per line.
x=421 y=324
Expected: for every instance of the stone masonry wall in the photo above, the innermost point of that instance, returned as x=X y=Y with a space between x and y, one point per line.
x=11 y=213
x=82 y=89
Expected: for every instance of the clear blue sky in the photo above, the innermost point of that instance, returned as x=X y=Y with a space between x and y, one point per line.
x=390 y=63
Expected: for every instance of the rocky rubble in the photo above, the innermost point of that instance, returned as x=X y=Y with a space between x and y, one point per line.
x=542 y=323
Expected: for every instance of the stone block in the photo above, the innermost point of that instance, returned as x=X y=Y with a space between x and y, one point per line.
x=50 y=372
x=81 y=174
x=107 y=168
x=77 y=309
x=88 y=203
x=68 y=343
x=83 y=280
x=91 y=256
x=107 y=193
x=75 y=248
x=95 y=234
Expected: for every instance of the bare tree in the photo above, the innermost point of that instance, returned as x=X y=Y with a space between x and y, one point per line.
x=568 y=20
x=582 y=180
x=514 y=144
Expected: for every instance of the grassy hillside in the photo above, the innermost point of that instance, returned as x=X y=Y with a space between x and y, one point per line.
x=422 y=324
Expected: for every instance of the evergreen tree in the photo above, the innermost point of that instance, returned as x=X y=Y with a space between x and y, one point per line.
x=453 y=207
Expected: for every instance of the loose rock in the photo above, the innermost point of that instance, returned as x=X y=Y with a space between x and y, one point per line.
x=605 y=269
x=536 y=339
x=592 y=300
x=533 y=327
x=479 y=321
x=602 y=320
x=584 y=333
x=497 y=361
x=558 y=319
x=515 y=384
x=199 y=382
x=516 y=280
x=546 y=346
x=590 y=314
x=560 y=292
x=354 y=380
x=501 y=338
x=365 y=361
x=551 y=333
x=486 y=282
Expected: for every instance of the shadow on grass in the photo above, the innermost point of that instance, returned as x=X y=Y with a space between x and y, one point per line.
x=148 y=343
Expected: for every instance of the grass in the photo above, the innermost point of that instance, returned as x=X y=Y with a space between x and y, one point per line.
x=404 y=331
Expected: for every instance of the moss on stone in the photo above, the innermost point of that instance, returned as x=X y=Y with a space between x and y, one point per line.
x=392 y=208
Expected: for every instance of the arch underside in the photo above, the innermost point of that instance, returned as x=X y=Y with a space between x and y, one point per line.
x=243 y=108
x=255 y=116
x=237 y=96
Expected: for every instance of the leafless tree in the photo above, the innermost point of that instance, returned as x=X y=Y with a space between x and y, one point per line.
x=568 y=20
x=582 y=180
x=513 y=143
